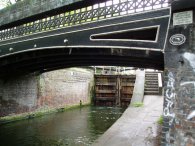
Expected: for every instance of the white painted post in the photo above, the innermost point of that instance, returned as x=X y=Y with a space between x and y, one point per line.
x=160 y=83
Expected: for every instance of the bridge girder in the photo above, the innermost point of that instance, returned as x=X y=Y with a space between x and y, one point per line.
x=132 y=40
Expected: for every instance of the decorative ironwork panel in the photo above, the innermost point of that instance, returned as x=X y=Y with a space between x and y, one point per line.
x=142 y=31
x=111 y=8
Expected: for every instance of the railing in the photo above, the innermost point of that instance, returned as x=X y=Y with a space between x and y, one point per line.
x=111 y=8
x=114 y=70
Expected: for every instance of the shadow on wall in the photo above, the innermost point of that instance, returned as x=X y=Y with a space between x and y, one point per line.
x=56 y=89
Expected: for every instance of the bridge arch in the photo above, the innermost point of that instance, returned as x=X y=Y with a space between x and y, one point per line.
x=57 y=58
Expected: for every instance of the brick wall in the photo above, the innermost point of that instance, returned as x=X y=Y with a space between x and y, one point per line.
x=18 y=95
x=23 y=90
x=29 y=8
x=48 y=90
x=65 y=87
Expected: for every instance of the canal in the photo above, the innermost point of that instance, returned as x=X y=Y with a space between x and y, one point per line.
x=75 y=127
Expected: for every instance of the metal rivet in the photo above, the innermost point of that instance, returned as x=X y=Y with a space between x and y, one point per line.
x=65 y=40
x=11 y=49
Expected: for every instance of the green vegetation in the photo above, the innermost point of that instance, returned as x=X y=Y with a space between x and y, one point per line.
x=160 y=120
x=37 y=113
x=138 y=104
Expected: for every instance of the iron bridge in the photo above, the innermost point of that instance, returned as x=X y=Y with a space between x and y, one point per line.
x=123 y=33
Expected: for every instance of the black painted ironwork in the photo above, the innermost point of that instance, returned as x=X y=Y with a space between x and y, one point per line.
x=111 y=8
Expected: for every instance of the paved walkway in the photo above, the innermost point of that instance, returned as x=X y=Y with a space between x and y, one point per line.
x=136 y=127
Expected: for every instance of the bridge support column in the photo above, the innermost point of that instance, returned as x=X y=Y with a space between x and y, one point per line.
x=179 y=81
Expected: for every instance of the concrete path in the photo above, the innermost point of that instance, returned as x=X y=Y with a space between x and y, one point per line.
x=136 y=127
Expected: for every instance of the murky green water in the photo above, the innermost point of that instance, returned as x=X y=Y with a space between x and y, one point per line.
x=76 y=127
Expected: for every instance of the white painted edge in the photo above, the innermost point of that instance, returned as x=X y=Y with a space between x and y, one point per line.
x=159 y=80
x=128 y=30
x=167 y=30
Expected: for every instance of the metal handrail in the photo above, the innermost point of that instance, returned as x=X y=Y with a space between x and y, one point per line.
x=101 y=11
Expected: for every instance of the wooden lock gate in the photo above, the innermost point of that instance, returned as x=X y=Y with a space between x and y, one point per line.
x=114 y=90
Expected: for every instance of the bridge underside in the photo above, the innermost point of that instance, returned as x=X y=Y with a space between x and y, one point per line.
x=55 y=58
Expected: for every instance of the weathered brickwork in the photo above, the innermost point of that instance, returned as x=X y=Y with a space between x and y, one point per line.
x=18 y=95
x=179 y=88
x=65 y=87
x=48 y=90
x=29 y=8
x=23 y=90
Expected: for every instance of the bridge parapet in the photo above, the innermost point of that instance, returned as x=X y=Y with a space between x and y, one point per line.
x=67 y=17
x=29 y=8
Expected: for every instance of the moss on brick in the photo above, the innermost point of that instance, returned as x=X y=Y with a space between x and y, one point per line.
x=38 y=113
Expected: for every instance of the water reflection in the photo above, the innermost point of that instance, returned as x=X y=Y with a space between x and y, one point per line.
x=76 y=127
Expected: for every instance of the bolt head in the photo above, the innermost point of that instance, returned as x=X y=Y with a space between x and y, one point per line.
x=65 y=40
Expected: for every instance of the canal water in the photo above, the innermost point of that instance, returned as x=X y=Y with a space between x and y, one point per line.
x=75 y=127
